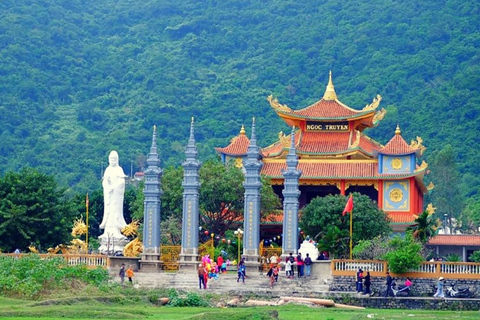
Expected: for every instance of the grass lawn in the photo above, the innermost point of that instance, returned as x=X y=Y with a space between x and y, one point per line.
x=113 y=308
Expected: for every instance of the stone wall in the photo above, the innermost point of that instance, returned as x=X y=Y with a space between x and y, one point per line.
x=422 y=287
x=411 y=303
x=116 y=262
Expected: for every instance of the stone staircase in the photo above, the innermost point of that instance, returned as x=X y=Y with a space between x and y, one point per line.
x=255 y=283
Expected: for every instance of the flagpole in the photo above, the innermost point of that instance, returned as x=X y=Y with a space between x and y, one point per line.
x=86 y=205
x=351 y=223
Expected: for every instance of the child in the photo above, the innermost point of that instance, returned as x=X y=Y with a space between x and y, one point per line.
x=241 y=272
x=288 y=269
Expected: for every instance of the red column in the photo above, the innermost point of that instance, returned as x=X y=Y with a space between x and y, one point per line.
x=380 y=194
x=413 y=196
x=342 y=187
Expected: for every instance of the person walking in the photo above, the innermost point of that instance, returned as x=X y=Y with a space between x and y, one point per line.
x=121 y=274
x=439 y=293
x=272 y=273
x=241 y=272
x=130 y=274
x=367 y=282
x=308 y=265
x=201 y=276
x=389 y=292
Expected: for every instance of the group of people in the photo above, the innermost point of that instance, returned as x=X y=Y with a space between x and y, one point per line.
x=209 y=269
x=304 y=266
x=290 y=262
x=128 y=273
x=363 y=280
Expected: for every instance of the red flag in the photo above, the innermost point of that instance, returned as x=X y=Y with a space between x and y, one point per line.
x=348 y=206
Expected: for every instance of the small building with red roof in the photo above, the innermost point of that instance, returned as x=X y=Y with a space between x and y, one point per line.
x=337 y=157
x=462 y=245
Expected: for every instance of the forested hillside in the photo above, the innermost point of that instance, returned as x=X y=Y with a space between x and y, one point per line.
x=79 y=78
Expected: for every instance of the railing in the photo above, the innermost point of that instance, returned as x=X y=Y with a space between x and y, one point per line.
x=170 y=255
x=89 y=260
x=266 y=254
x=449 y=270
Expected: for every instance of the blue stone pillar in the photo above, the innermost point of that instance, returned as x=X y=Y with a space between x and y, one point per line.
x=150 y=258
x=291 y=193
x=191 y=186
x=251 y=214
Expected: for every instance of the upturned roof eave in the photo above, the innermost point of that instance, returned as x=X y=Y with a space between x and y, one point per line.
x=346 y=152
x=222 y=151
x=294 y=115
x=379 y=177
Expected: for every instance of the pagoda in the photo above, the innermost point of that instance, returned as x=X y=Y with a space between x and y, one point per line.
x=335 y=156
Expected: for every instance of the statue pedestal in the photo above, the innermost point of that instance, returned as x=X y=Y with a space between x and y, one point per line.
x=112 y=245
x=251 y=263
x=188 y=261
x=150 y=262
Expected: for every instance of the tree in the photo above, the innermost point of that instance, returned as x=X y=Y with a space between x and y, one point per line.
x=33 y=210
x=172 y=197
x=425 y=226
x=222 y=196
x=335 y=241
x=171 y=231
x=471 y=216
x=322 y=214
x=446 y=195
x=371 y=249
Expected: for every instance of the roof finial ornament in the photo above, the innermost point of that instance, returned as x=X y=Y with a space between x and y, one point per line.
x=330 y=91
x=242 y=130
x=292 y=138
x=253 y=130
x=398 y=131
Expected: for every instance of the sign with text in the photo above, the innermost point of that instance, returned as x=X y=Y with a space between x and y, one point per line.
x=327 y=126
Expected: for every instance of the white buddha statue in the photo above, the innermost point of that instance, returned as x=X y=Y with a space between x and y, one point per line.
x=113 y=222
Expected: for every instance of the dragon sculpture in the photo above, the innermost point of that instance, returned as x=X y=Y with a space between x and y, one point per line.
x=134 y=247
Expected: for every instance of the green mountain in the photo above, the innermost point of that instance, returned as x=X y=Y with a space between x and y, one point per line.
x=79 y=78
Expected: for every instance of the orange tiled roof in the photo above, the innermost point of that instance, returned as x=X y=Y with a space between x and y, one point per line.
x=277 y=148
x=238 y=146
x=331 y=170
x=327 y=109
x=397 y=145
x=323 y=143
x=401 y=217
x=333 y=142
x=272 y=218
x=455 y=240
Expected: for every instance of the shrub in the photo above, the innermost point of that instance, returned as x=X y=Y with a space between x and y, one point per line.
x=405 y=254
x=453 y=258
x=29 y=275
x=475 y=256
x=191 y=299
